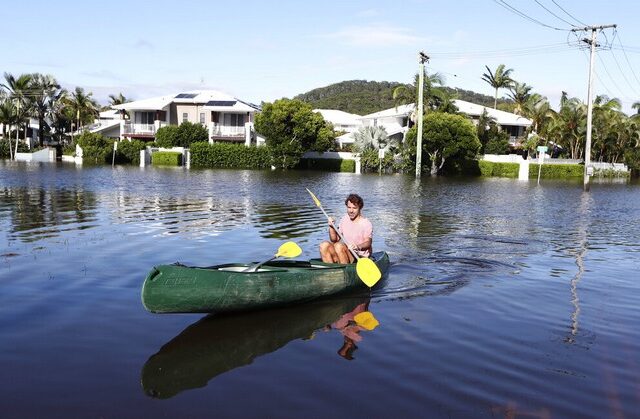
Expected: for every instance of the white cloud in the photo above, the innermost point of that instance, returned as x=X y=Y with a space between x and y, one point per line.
x=376 y=36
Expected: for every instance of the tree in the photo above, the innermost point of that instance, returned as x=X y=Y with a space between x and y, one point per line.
x=370 y=138
x=445 y=136
x=498 y=80
x=83 y=106
x=44 y=88
x=291 y=128
x=8 y=117
x=636 y=106
x=118 y=99
x=432 y=93
x=520 y=94
x=18 y=92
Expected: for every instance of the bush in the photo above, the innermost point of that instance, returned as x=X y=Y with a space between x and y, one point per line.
x=96 y=148
x=489 y=168
x=167 y=136
x=498 y=145
x=231 y=156
x=556 y=170
x=189 y=133
x=331 y=165
x=166 y=158
x=4 y=148
x=128 y=152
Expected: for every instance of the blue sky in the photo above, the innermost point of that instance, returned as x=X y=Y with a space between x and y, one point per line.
x=261 y=50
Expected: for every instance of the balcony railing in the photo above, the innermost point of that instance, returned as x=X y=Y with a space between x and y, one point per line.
x=143 y=129
x=218 y=130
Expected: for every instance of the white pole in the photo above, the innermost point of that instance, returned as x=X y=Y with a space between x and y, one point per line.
x=587 y=149
x=422 y=57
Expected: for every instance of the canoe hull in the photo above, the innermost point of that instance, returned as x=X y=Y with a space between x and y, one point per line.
x=223 y=288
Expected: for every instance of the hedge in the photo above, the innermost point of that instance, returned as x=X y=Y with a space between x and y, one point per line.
x=166 y=158
x=556 y=170
x=489 y=168
x=331 y=165
x=229 y=156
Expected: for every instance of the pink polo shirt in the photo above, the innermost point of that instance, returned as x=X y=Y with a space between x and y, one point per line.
x=357 y=232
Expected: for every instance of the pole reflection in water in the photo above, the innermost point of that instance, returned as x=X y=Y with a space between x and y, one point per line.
x=580 y=254
x=217 y=344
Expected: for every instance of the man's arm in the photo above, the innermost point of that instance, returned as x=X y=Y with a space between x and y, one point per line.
x=333 y=235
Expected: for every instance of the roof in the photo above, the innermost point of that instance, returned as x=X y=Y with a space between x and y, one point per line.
x=402 y=110
x=337 y=117
x=221 y=102
x=501 y=117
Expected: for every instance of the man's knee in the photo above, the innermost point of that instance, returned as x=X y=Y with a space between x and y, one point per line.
x=324 y=246
x=341 y=247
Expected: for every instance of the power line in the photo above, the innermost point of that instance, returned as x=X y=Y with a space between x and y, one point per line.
x=568 y=14
x=545 y=8
x=540 y=49
x=627 y=58
x=525 y=16
x=611 y=78
x=624 y=76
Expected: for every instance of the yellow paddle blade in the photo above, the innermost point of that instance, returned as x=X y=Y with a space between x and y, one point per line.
x=366 y=320
x=316 y=200
x=289 y=250
x=368 y=271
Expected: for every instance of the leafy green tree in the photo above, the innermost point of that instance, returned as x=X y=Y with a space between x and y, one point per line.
x=189 y=133
x=291 y=128
x=8 y=117
x=167 y=136
x=118 y=99
x=432 y=93
x=18 y=92
x=498 y=80
x=445 y=136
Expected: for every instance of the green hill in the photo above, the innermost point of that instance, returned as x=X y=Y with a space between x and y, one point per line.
x=363 y=97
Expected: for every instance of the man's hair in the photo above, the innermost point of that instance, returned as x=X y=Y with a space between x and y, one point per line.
x=355 y=199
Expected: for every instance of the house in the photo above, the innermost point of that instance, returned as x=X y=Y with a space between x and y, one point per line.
x=514 y=125
x=398 y=120
x=108 y=123
x=344 y=122
x=226 y=118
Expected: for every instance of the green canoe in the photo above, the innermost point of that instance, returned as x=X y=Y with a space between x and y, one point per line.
x=223 y=288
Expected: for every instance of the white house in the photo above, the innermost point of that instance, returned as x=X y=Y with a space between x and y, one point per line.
x=398 y=120
x=342 y=121
x=226 y=117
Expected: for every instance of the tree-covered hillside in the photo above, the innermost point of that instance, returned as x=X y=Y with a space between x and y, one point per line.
x=363 y=97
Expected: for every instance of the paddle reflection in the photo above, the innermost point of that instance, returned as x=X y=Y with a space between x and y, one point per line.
x=217 y=344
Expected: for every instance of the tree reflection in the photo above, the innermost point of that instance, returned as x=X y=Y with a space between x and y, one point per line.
x=40 y=213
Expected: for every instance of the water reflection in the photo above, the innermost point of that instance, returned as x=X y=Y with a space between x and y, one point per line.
x=35 y=214
x=217 y=344
x=580 y=253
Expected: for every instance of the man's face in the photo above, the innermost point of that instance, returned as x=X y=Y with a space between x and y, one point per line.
x=352 y=211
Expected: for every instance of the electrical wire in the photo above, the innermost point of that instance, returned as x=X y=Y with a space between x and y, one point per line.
x=555 y=15
x=611 y=78
x=624 y=76
x=523 y=15
x=533 y=50
x=568 y=14
x=626 y=58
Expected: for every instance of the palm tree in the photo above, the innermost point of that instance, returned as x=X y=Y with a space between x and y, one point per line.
x=8 y=116
x=520 y=94
x=408 y=93
x=118 y=99
x=18 y=91
x=636 y=106
x=83 y=106
x=44 y=88
x=498 y=80
x=371 y=138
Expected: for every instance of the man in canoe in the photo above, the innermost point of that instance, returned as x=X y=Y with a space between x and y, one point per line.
x=357 y=231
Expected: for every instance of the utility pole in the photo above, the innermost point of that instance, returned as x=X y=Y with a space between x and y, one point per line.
x=422 y=58
x=588 y=170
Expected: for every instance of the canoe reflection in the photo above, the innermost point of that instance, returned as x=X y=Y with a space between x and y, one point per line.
x=217 y=344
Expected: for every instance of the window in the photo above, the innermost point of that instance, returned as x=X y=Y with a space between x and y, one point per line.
x=144 y=117
x=185 y=117
x=234 y=120
x=202 y=118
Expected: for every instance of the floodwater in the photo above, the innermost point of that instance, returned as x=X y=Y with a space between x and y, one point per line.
x=504 y=298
